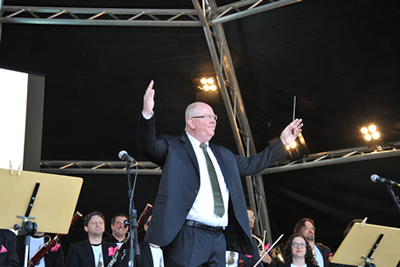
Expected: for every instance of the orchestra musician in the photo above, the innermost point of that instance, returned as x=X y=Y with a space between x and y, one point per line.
x=94 y=251
x=298 y=252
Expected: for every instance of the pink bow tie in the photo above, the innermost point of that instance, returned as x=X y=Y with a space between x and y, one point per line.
x=3 y=249
x=111 y=250
x=56 y=247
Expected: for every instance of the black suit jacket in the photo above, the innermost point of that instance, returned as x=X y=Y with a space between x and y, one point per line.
x=180 y=183
x=81 y=254
x=145 y=259
x=326 y=253
x=8 y=244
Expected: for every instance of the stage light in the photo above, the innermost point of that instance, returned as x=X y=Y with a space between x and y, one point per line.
x=206 y=84
x=293 y=144
x=372 y=128
x=375 y=135
x=372 y=136
x=297 y=149
x=364 y=130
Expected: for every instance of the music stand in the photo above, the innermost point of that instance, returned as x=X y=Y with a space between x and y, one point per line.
x=51 y=205
x=369 y=245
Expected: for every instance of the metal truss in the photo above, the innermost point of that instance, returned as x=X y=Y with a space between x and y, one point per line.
x=82 y=167
x=230 y=91
x=357 y=154
x=349 y=155
x=100 y=16
x=134 y=16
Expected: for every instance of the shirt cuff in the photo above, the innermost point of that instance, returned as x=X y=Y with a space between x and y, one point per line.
x=148 y=117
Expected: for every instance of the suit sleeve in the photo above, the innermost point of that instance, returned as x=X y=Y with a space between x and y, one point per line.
x=72 y=258
x=262 y=160
x=152 y=148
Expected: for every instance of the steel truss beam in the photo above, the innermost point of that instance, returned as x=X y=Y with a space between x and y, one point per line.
x=134 y=16
x=357 y=154
x=230 y=91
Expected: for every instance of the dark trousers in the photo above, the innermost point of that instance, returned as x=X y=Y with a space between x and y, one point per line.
x=194 y=247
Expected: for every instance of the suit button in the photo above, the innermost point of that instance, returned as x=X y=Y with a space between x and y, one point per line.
x=196 y=191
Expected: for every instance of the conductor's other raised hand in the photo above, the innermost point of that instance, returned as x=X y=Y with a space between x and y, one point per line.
x=290 y=133
x=148 y=100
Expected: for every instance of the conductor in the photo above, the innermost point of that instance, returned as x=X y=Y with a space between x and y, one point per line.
x=200 y=210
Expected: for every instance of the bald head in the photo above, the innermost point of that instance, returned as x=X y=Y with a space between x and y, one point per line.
x=197 y=125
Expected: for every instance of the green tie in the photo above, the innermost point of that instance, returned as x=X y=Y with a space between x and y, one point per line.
x=218 y=202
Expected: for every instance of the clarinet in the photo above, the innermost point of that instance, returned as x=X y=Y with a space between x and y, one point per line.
x=46 y=247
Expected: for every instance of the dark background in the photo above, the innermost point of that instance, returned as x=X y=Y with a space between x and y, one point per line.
x=340 y=58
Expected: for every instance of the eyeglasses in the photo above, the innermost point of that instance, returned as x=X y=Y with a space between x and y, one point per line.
x=252 y=217
x=308 y=228
x=207 y=117
x=302 y=245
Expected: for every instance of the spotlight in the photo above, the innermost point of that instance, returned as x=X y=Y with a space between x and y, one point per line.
x=371 y=135
x=293 y=144
x=375 y=135
x=372 y=128
x=298 y=148
x=206 y=84
x=364 y=130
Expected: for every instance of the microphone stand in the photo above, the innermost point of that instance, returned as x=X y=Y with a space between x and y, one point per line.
x=133 y=250
x=395 y=198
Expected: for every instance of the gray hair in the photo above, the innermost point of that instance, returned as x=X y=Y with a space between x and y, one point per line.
x=191 y=111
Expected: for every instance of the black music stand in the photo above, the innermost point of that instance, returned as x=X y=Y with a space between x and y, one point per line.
x=48 y=199
x=369 y=245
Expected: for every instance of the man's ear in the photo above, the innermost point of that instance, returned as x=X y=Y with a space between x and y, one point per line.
x=86 y=228
x=190 y=123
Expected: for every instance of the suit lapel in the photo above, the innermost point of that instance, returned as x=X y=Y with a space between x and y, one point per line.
x=106 y=258
x=187 y=145
x=89 y=252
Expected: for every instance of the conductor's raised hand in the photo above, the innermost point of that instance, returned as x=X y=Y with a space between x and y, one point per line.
x=290 y=133
x=148 y=100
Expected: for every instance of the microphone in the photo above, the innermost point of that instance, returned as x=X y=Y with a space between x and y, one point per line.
x=375 y=178
x=123 y=155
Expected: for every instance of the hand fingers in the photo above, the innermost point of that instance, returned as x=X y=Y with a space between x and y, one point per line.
x=150 y=85
x=149 y=91
x=296 y=126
